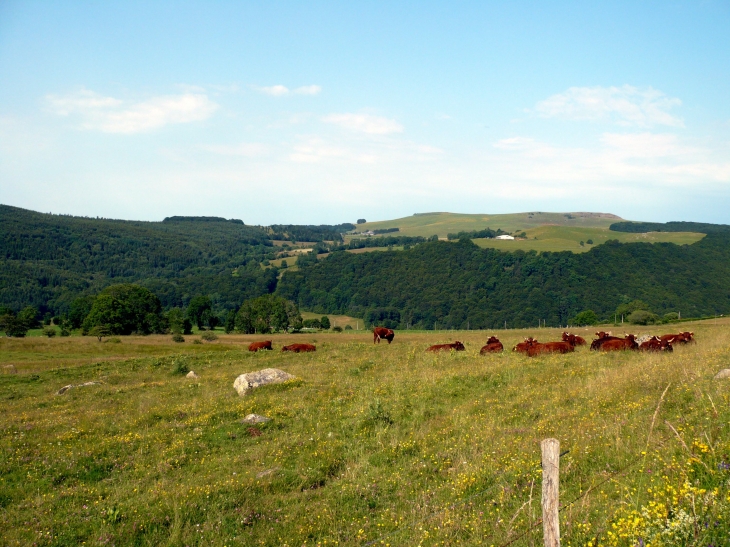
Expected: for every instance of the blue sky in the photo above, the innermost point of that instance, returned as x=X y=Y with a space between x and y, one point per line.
x=283 y=112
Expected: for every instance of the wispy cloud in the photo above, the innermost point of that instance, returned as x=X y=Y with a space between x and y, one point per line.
x=626 y=105
x=112 y=115
x=365 y=123
x=281 y=90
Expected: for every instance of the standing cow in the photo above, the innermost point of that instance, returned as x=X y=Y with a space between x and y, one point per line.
x=382 y=332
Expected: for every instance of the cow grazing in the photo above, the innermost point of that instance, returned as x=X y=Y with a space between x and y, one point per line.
x=523 y=346
x=602 y=338
x=299 y=348
x=493 y=346
x=574 y=339
x=382 y=333
x=456 y=346
x=255 y=346
x=620 y=344
x=681 y=337
x=656 y=344
x=536 y=348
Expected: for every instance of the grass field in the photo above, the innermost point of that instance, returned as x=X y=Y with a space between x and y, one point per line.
x=564 y=238
x=545 y=231
x=371 y=445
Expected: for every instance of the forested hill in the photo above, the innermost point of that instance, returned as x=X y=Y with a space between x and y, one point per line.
x=460 y=285
x=643 y=227
x=48 y=260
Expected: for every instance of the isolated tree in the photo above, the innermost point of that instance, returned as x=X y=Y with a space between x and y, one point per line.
x=100 y=331
x=179 y=324
x=199 y=310
x=361 y=221
x=265 y=313
x=230 y=324
x=325 y=322
x=125 y=309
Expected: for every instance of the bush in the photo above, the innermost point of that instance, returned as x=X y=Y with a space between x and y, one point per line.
x=337 y=329
x=177 y=337
x=584 y=318
x=325 y=322
x=49 y=331
x=643 y=317
x=209 y=336
x=348 y=327
x=113 y=340
x=65 y=332
x=180 y=367
x=590 y=242
x=671 y=316
x=196 y=341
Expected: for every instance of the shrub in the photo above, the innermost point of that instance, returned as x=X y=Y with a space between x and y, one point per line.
x=671 y=316
x=209 y=336
x=325 y=322
x=180 y=367
x=49 y=331
x=348 y=327
x=643 y=317
x=338 y=329
x=196 y=341
x=113 y=340
x=590 y=242
x=65 y=332
x=584 y=318
x=177 y=337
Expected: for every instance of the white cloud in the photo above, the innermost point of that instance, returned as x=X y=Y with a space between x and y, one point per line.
x=112 y=115
x=626 y=105
x=308 y=90
x=316 y=150
x=281 y=90
x=365 y=123
x=245 y=149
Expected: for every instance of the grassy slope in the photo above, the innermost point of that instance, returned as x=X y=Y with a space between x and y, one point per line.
x=554 y=231
x=372 y=441
x=564 y=238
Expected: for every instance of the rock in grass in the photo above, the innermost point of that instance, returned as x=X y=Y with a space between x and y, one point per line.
x=724 y=373
x=192 y=375
x=10 y=369
x=64 y=389
x=255 y=419
x=252 y=380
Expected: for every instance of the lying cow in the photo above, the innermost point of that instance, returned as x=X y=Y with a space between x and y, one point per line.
x=299 y=348
x=656 y=344
x=456 y=346
x=493 y=346
x=602 y=338
x=537 y=348
x=382 y=333
x=574 y=339
x=255 y=346
x=523 y=346
x=620 y=344
x=681 y=338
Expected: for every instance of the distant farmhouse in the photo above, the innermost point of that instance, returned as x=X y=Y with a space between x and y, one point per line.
x=504 y=236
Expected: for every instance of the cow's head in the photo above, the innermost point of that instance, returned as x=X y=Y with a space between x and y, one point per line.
x=458 y=346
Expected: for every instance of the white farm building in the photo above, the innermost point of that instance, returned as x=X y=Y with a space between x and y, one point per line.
x=504 y=236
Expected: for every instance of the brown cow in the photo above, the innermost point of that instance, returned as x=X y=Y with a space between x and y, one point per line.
x=537 y=348
x=456 y=346
x=656 y=344
x=523 y=346
x=493 y=346
x=602 y=338
x=682 y=337
x=299 y=348
x=382 y=332
x=574 y=339
x=620 y=344
x=255 y=346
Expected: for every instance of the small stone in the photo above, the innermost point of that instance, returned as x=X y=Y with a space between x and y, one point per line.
x=252 y=380
x=266 y=473
x=64 y=389
x=192 y=375
x=255 y=419
x=724 y=373
x=10 y=369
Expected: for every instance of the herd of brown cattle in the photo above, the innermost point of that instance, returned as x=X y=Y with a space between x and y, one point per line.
x=531 y=347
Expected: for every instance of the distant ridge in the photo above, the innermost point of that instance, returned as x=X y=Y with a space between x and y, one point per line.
x=201 y=219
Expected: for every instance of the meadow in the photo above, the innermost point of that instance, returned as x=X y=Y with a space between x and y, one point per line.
x=370 y=445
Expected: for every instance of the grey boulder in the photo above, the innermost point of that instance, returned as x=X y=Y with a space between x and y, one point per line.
x=252 y=380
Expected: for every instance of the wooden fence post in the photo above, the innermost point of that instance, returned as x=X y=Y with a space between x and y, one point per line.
x=550 y=496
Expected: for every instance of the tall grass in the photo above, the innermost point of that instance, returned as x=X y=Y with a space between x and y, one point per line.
x=373 y=443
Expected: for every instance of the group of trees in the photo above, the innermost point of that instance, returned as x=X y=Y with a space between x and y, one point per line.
x=476 y=234
x=18 y=324
x=635 y=312
x=458 y=285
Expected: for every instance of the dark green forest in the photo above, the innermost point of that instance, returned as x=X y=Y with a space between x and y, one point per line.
x=458 y=285
x=49 y=260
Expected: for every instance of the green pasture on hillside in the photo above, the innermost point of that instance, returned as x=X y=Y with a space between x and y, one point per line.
x=565 y=238
x=370 y=445
x=442 y=224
